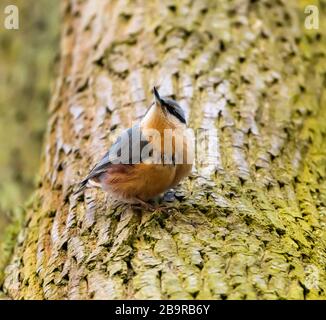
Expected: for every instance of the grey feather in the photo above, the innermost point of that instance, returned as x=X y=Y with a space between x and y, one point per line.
x=126 y=150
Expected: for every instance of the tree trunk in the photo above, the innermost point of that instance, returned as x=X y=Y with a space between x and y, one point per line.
x=251 y=224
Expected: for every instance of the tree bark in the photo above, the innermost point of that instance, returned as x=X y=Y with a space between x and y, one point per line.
x=251 y=225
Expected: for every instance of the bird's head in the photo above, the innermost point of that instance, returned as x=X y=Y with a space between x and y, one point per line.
x=170 y=109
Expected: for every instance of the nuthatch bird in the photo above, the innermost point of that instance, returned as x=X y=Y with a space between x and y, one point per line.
x=130 y=172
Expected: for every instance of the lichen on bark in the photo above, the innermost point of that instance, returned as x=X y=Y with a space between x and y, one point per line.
x=250 y=225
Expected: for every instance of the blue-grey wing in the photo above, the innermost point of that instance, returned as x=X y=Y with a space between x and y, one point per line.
x=126 y=150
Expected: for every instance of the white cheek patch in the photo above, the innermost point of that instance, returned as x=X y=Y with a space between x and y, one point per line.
x=174 y=121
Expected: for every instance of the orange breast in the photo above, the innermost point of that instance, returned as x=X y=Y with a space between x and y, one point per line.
x=143 y=181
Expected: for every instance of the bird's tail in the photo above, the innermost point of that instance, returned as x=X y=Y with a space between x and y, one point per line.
x=81 y=186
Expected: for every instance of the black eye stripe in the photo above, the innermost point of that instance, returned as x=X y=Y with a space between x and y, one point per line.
x=176 y=111
x=173 y=111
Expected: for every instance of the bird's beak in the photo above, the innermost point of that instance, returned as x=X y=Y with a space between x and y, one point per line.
x=158 y=99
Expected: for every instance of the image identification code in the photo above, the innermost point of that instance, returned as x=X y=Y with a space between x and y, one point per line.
x=184 y=309
x=164 y=309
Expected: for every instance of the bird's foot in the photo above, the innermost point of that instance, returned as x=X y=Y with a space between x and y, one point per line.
x=167 y=202
x=154 y=207
x=145 y=205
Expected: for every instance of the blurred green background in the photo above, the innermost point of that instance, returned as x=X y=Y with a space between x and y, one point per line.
x=27 y=70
